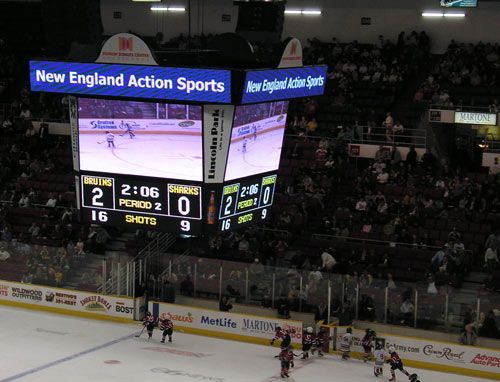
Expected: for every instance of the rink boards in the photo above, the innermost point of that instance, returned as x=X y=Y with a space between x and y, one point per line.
x=67 y=301
x=433 y=355
x=232 y=326
x=139 y=126
x=415 y=352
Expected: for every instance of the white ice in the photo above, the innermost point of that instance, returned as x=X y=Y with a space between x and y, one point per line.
x=47 y=347
x=262 y=155
x=164 y=156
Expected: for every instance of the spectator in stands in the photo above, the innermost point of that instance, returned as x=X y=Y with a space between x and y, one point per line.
x=187 y=286
x=411 y=157
x=312 y=125
x=52 y=201
x=491 y=260
x=431 y=287
x=390 y=282
x=328 y=262
x=225 y=304
x=168 y=292
x=406 y=309
x=383 y=177
x=489 y=327
x=395 y=155
x=4 y=254
x=34 y=230
x=468 y=335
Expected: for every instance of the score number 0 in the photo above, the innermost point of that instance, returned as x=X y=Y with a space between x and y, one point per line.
x=184 y=208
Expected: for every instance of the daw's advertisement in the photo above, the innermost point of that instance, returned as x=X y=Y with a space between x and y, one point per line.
x=278 y=84
x=184 y=84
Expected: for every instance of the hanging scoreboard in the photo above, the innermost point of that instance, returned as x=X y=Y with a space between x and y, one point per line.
x=184 y=150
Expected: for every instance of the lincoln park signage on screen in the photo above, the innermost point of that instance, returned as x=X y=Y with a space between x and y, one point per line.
x=138 y=81
x=475 y=118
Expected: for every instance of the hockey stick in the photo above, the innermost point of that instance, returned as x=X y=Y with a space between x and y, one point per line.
x=142 y=331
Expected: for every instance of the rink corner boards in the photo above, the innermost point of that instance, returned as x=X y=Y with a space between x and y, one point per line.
x=67 y=301
x=452 y=358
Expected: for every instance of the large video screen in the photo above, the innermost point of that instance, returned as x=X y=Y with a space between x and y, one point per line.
x=256 y=139
x=459 y=3
x=140 y=138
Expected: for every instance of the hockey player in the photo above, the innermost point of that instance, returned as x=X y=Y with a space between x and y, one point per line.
x=396 y=364
x=308 y=340
x=149 y=321
x=167 y=326
x=345 y=344
x=284 y=336
x=286 y=360
x=110 y=138
x=244 y=146
x=367 y=343
x=128 y=130
x=254 y=132
x=321 y=339
x=379 y=354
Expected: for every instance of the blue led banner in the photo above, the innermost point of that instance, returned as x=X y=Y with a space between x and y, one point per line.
x=183 y=84
x=277 y=84
x=459 y=3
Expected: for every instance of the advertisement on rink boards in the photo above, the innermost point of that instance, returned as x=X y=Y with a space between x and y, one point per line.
x=57 y=298
x=139 y=126
x=439 y=355
x=227 y=325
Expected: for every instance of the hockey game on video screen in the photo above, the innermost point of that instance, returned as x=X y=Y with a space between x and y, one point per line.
x=140 y=138
x=256 y=139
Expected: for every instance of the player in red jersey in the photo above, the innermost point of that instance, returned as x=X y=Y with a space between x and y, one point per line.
x=367 y=343
x=167 y=326
x=149 y=321
x=396 y=363
x=284 y=336
x=308 y=339
x=286 y=360
x=321 y=338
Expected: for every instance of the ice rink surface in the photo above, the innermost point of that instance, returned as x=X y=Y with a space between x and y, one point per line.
x=47 y=347
x=159 y=155
x=262 y=155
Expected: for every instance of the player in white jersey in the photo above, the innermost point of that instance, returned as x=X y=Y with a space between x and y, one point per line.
x=379 y=355
x=110 y=138
x=345 y=344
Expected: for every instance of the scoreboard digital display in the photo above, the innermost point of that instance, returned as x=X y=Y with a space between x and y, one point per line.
x=166 y=205
x=246 y=202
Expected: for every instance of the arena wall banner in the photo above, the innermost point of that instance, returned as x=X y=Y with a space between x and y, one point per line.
x=233 y=326
x=217 y=124
x=434 y=355
x=67 y=301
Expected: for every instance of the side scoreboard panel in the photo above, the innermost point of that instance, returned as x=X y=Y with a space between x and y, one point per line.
x=247 y=201
x=170 y=206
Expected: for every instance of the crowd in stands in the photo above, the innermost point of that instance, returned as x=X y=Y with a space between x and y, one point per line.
x=444 y=220
x=466 y=75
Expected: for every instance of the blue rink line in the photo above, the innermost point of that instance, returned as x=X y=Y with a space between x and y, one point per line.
x=65 y=359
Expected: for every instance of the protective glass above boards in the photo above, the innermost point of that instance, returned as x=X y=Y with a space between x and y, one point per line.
x=134 y=81
x=281 y=84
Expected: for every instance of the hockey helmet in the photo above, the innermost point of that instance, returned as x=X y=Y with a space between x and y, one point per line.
x=391 y=349
x=349 y=330
x=309 y=330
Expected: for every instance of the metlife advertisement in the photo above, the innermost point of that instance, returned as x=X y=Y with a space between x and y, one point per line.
x=277 y=84
x=135 y=81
